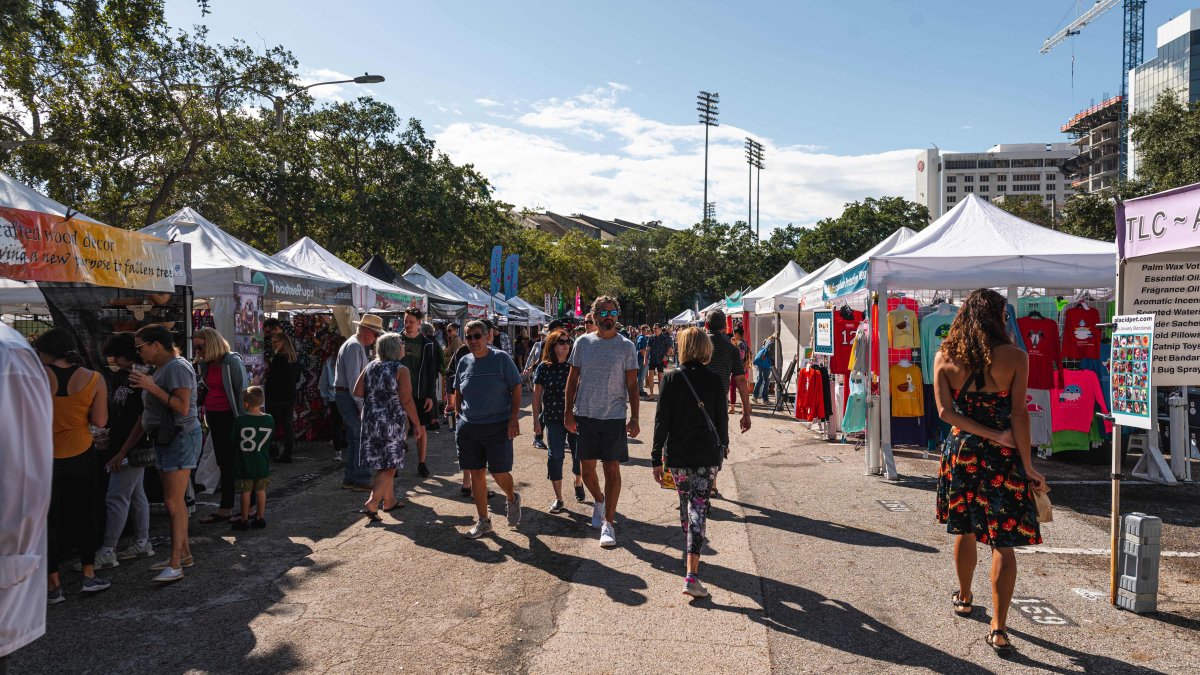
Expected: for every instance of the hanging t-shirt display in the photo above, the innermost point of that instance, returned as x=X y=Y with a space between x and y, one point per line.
x=810 y=397
x=902 y=329
x=908 y=397
x=1081 y=338
x=1041 y=340
x=845 y=326
x=894 y=354
x=1037 y=402
x=855 y=418
x=1046 y=306
x=1073 y=406
x=934 y=329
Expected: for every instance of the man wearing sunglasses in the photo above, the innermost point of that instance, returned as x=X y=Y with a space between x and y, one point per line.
x=603 y=377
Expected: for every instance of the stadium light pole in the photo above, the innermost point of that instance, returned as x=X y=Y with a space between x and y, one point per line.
x=707 y=105
x=754 y=157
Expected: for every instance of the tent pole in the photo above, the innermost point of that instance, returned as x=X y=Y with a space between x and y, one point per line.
x=1115 y=516
x=885 y=393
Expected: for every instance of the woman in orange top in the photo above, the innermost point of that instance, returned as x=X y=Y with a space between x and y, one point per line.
x=80 y=397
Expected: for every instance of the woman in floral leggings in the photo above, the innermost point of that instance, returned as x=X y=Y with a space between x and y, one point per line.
x=691 y=443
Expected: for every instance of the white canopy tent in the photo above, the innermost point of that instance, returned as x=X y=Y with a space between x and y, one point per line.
x=534 y=315
x=765 y=323
x=784 y=307
x=219 y=259
x=426 y=281
x=475 y=297
x=308 y=255
x=979 y=245
x=685 y=318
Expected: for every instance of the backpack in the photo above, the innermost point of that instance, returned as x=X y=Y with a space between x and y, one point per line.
x=763 y=358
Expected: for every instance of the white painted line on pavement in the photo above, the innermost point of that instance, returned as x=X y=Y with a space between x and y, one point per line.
x=1098 y=551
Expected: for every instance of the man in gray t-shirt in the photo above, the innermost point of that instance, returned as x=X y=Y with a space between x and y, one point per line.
x=603 y=377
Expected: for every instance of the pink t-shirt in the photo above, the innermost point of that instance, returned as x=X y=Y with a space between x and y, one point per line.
x=1073 y=407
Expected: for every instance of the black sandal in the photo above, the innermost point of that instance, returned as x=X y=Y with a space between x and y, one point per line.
x=372 y=516
x=961 y=607
x=1001 y=650
x=398 y=505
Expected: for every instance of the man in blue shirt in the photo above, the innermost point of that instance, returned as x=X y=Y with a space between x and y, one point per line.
x=643 y=358
x=487 y=399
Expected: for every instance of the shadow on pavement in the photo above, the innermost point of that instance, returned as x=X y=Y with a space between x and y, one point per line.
x=791 y=522
x=1082 y=662
x=805 y=614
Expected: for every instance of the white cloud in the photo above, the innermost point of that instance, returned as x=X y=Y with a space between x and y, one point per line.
x=590 y=154
x=488 y=103
x=336 y=93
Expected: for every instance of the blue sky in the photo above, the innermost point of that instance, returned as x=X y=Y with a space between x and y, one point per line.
x=589 y=107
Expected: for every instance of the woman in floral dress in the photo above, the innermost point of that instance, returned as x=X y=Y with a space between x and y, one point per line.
x=986 y=474
x=388 y=410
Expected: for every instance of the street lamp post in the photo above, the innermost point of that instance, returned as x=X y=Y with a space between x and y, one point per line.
x=706 y=104
x=281 y=227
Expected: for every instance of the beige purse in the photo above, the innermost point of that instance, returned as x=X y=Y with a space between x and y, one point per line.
x=1041 y=499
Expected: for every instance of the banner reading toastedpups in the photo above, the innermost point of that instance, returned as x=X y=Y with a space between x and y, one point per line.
x=42 y=247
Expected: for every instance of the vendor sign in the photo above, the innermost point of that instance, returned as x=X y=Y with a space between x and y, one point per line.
x=823 y=331
x=1168 y=285
x=302 y=291
x=846 y=282
x=1131 y=374
x=388 y=300
x=1167 y=221
x=43 y=247
x=247 y=328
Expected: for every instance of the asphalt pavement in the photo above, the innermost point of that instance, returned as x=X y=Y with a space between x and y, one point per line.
x=813 y=567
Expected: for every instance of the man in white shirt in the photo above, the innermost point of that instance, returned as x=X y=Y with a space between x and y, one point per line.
x=351 y=361
x=26 y=453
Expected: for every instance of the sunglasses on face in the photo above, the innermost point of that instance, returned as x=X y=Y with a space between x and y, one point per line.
x=474 y=336
x=608 y=312
x=563 y=343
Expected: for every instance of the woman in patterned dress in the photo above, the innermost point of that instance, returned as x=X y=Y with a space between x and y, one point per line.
x=987 y=472
x=388 y=410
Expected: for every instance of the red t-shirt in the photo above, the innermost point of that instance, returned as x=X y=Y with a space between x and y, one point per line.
x=1081 y=338
x=1041 y=341
x=843 y=336
x=215 y=400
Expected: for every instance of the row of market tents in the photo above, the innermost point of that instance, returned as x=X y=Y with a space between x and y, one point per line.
x=974 y=245
x=303 y=275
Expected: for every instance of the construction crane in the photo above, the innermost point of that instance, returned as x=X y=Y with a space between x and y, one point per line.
x=1132 y=40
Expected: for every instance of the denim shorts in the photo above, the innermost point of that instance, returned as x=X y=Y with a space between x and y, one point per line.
x=181 y=453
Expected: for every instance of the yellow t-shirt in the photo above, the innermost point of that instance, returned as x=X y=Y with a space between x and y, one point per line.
x=908 y=397
x=902 y=329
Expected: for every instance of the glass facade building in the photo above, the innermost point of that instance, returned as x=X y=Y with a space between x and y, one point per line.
x=1175 y=68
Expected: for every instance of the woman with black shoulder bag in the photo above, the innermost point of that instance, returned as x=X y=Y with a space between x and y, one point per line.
x=691 y=435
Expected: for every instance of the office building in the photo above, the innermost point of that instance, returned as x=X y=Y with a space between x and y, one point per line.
x=943 y=179
x=1176 y=68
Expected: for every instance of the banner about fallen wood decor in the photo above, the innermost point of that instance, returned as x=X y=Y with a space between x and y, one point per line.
x=42 y=247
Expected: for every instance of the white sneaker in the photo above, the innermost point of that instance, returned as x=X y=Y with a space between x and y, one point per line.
x=480 y=528
x=608 y=535
x=694 y=588
x=168 y=575
x=136 y=550
x=106 y=560
x=597 y=515
x=337 y=456
x=557 y=506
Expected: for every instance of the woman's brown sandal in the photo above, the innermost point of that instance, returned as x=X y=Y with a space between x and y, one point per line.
x=961 y=607
x=1000 y=649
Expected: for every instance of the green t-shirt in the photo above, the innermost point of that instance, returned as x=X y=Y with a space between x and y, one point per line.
x=253 y=434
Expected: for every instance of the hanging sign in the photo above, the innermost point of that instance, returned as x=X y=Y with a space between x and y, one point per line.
x=846 y=282
x=823 y=331
x=302 y=291
x=510 y=275
x=1130 y=371
x=247 y=328
x=494 y=271
x=1167 y=285
x=1168 y=221
x=38 y=246
x=390 y=300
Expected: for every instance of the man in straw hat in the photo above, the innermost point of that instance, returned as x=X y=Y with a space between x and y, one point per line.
x=351 y=361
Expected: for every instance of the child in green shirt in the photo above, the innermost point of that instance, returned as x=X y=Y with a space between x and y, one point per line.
x=252 y=470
